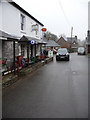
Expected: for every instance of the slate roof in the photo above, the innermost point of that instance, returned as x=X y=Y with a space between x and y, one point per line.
x=6 y=35
x=26 y=39
x=71 y=40
x=59 y=41
x=51 y=43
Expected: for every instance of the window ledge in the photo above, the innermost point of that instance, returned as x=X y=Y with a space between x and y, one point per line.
x=23 y=32
x=37 y=36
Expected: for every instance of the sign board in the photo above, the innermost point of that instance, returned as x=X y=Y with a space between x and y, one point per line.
x=50 y=53
x=44 y=29
x=32 y=42
x=35 y=27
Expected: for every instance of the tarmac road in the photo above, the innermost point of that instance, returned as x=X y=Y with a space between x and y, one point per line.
x=0 y=100
x=57 y=90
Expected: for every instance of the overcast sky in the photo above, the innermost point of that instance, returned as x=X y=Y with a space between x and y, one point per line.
x=58 y=16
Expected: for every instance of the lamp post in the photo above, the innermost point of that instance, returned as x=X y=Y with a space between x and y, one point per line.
x=43 y=31
x=71 y=33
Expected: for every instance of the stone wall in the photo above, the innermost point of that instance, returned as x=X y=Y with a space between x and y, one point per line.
x=11 y=78
x=7 y=51
x=0 y=48
x=0 y=59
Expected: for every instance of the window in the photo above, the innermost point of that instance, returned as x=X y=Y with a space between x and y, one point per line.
x=35 y=28
x=22 y=22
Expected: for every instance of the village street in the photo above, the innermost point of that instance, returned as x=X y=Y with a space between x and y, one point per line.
x=56 y=90
x=0 y=101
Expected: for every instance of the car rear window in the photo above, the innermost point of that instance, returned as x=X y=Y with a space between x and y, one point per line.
x=81 y=49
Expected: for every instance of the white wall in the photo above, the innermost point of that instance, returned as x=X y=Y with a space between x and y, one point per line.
x=10 y=19
x=89 y=15
x=11 y=22
x=0 y=16
x=29 y=32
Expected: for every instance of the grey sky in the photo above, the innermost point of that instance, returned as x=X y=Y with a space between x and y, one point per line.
x=58 y=16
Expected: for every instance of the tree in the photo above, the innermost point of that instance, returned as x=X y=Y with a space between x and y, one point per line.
x=50 y=36
x=82 y=43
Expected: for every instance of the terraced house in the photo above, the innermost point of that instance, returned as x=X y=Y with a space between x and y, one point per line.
x=20 y=32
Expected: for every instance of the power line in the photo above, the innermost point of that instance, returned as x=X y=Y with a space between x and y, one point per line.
x=60 y=4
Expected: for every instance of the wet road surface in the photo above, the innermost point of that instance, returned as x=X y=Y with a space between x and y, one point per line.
x=0 y=100
x=57 y=90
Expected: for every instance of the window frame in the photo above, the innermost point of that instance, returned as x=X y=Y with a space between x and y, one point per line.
x=23 y=22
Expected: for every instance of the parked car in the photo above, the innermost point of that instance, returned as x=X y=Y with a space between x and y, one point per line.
x=81 y=51
x=62 y=54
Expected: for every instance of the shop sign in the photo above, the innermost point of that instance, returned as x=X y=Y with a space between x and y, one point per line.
x=32 y=42
x=44 y=29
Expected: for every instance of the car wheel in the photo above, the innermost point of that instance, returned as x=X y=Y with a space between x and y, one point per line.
x=78 y=53
x=56 y=59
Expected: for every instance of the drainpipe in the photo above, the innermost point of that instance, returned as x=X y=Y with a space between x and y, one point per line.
x=35 y=50
x=14 y=56
x=28 y=52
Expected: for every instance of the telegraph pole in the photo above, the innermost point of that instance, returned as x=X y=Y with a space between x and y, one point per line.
x=71 y=36
x=71 y=33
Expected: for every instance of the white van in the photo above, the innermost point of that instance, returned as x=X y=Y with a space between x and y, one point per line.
x=81 y=51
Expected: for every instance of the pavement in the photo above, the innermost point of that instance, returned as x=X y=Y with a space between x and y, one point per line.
x=10 y=78
x=56 y=90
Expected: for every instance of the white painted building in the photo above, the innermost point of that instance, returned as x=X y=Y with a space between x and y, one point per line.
x=89 y=15
x=18 y=22
x=88 y=32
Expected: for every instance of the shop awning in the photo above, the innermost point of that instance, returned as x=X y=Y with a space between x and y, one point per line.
x=31 y=39
x=51 y=43
x=6 y=36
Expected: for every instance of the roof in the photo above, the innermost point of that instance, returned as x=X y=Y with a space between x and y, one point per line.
x=69 y=39
x=61 y=39
x=26 y=39
x=51 y=43
x=6 y=35
x=22 y=10
x=73 y=39
x=64 y=37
